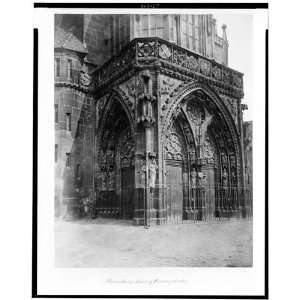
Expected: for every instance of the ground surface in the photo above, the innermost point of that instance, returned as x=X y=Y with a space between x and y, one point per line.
x=115 y=243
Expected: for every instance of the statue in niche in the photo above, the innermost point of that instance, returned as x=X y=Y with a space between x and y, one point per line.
x=102 y=181
x=233 y=176
x=152 y=173
x=223 y=158
x=110 y=157
x=142 y=174
x=131 y=87
x=110 y=180
x=207 y=151
x=202 y=179
x=193 y=178
x=225 y=178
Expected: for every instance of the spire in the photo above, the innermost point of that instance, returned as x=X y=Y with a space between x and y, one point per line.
x=224 y=36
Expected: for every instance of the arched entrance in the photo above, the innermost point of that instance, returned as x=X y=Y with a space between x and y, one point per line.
x=175 y=151
x=114 y=180
x=202 y=180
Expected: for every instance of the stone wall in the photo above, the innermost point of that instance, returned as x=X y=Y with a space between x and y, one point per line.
x=98 y=37
x=74 y=113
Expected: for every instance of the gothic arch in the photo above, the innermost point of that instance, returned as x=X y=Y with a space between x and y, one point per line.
x=114 y=157
x=114 y=95
x=191 y=88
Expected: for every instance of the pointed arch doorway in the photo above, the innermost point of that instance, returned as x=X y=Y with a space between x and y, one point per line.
x=176 y=166
x=115 y=178
x=201 y=163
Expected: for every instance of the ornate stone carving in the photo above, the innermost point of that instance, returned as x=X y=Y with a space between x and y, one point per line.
x=127 y=91
x=191 y=63
x=110 y=180
x=146 y=49
x=202 y=179
x=173 y=147
x=99 y=108
x=126 y=147
x=152 y=173
x=237 y=80
x=167 y=85
x=216 y=72
x=195 y=112
x=200 y=117
x=172 y=58
x=224 y=178
x=231 y=104
x=85 y=79
x=207 y=151
x=223 y=158
x=193 y=178
x=130 y=87
x=179 y=57
x=164 y=51
x=226 y=77
x=204 y=67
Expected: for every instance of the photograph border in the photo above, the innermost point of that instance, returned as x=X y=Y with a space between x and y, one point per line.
x=35 y=146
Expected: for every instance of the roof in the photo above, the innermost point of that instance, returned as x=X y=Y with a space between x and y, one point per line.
x=67 y=40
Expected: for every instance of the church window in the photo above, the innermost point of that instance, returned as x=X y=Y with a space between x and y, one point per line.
x=68 y=121
x=68 y=159
x=70 y=68
x=57 y=67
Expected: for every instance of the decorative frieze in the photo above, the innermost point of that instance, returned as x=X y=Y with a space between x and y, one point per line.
x=155 y=53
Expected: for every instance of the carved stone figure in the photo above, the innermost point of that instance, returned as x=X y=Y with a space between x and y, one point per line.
x=202 y=179
x=167 y=85
x=225 y=177
x=110 y=180
x=130 y=85
x=205 y=67
x=216 y=72
x=193 y=178
x=102 y=181
x=142 y=174
x=152 y=173
x=207 y=151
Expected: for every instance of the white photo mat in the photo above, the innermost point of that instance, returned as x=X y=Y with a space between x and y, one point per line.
x=144 y=281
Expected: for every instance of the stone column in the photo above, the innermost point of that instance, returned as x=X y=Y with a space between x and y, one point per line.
x=146 y=121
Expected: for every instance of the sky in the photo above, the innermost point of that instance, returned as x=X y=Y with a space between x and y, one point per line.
x=240 y=53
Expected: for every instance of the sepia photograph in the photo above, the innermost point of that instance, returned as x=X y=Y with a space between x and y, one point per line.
x=153 y=156
x=151 y=151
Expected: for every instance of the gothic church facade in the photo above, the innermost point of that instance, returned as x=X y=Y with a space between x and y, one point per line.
x=149 y=119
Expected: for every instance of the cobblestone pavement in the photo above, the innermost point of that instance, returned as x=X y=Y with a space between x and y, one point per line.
x=117 y=243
